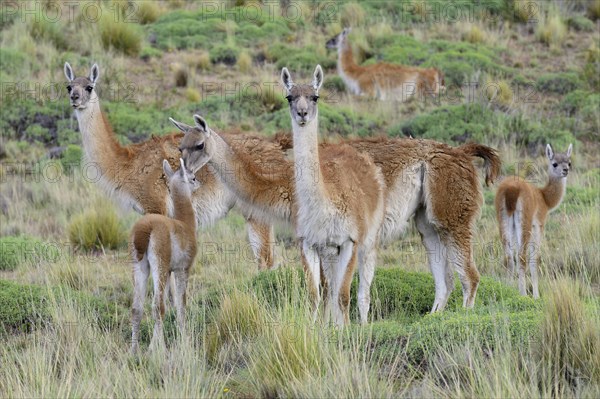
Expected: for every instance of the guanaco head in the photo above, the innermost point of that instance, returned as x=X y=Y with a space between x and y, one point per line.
x=559 y=164
x=338 y=40
x=302 y=97
x=81 y=89
x=197 y=144
x=182 y=181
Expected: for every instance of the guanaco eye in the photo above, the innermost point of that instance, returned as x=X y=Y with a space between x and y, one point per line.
x=200 y=147
x=569 y=164
x=289 y=98
x=315 y=98
x=69 y=88
x=89 y=89
x=555 y=164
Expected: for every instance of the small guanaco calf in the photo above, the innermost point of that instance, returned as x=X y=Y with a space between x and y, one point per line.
x=522 y=208
x=160 y=246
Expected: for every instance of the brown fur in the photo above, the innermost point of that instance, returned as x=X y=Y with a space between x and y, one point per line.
x=386 y=81
x=120 y=167
x=522 y=210
x=159 y=260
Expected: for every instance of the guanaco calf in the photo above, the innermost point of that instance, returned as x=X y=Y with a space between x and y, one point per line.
x=161 y=246
x=522 y=208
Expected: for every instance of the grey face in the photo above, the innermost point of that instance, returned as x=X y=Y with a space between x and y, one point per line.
x=80 y=89
x=559 y=163
x=338 y=40
x=195 y=144
x=303 y=103
x=302 y=98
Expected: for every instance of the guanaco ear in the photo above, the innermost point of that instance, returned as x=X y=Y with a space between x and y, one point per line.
x=286 y=79
x=182 y=169
x=181 y=126
x=201 y=124
x=69 y=72
x=167 y=169
x=549 y=152
x=570 y=150
x=318 y=78
x=94 y=73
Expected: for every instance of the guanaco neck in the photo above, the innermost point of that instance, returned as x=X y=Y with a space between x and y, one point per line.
x=183 y=210
x=99 y=142
x=346 y=64
x=554 y=191
x=308 y=175
x=243 y=179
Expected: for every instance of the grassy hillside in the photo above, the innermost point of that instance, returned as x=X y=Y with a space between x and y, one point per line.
x=520 y=74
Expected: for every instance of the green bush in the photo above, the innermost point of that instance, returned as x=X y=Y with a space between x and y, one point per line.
x=71 y=157
x=583 y=107
x=591 y=69
x=224 y=54
x=11 y=60
x=580 y=23
x=395 y=293
x=53 y=31
x=22 y=307
x=304 y=60
x=24 y=250
x=97 y=228
x=558 y=83
x=26 y=307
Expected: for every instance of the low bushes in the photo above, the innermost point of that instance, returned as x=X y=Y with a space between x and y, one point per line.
x=24 y=250
x=25 y=307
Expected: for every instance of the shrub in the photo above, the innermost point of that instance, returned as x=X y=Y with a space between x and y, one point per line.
x=120 y=35
x=180 y=75
x=97 y=229
x=23 y=250
x=224 y=54
x=558 y=83
x=580 y=23
x=71 y=157
x=591 y=69
x=583 y=107
x=593 y=10
x=43 y=29
x=395 y=293
x=22 y=307
x=442 y=331
x=11 y=60
x=26 y=307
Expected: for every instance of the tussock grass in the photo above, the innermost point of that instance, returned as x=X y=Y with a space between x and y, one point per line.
x=115 y=33
x=551 y=30
x=97 y=229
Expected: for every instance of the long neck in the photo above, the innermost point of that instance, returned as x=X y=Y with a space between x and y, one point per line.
x=554 y=191
x=308 y=175
x=99 y=142
x=346 y=63
x=182 y=206
x=258 y=188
